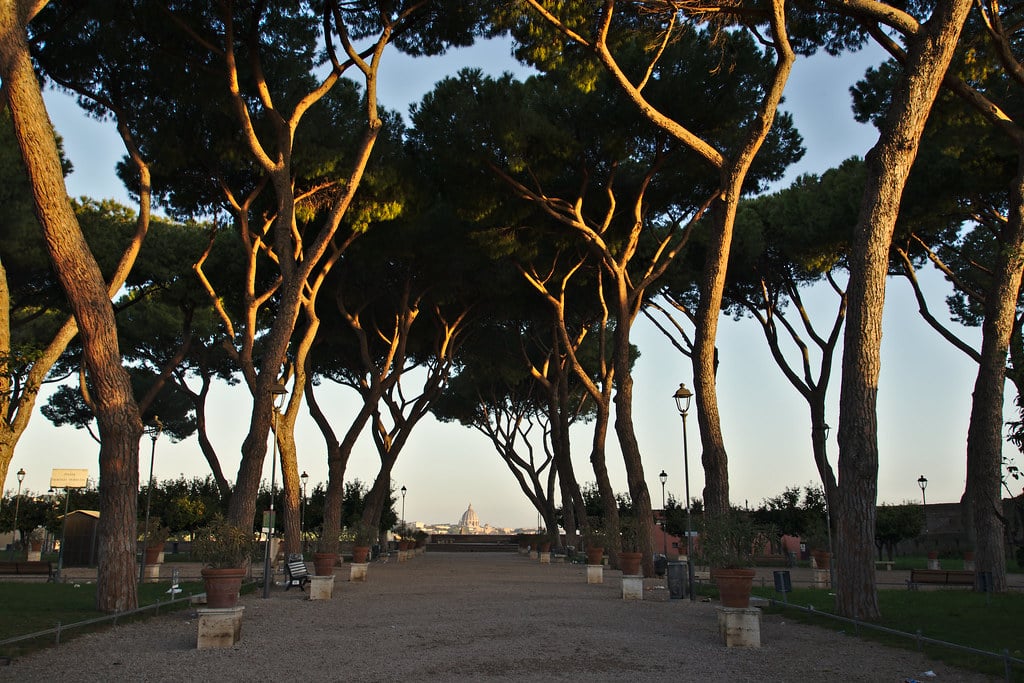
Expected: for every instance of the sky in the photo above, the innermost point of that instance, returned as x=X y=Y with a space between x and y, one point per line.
x=924 y=395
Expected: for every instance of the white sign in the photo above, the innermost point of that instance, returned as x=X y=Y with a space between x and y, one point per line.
x=69 y=479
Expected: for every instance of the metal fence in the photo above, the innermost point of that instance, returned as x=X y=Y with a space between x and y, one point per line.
x=1009 y=663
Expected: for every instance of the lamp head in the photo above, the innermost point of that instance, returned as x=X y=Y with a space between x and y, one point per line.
x=304 y=477
x=404 y=490
x=682 y=397
x=922 y=481
x=663 y=477
x=826 y=429
x=21 y=475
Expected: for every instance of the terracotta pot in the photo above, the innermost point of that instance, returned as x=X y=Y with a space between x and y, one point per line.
x=360 y=553
x=933 y=555
x=629 y=563
x=323 y=563
x=153 y=554
x=545 y=547
x=35 y=546
x=595 y=555
x=969 y=555
x=822 y=559
x=222 y=586
x=734 y=586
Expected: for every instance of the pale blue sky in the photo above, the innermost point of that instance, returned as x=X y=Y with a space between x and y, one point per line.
x=924 y=398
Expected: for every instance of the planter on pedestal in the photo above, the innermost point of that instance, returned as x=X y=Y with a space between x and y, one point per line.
x=323 y=563
x=222 y=586
x=933 y=560
x=734 y=586
x=629 y=563
x=969 y=560
x=153 y=553
x=822 y=559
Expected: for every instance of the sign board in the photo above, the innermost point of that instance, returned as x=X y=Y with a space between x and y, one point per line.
x=269 y=520
x=69 y=479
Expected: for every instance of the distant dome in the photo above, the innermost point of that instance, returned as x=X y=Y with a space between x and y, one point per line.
x=469 y=518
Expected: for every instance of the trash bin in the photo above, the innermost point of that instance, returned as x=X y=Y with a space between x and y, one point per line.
x=659 y=564
x=677 y=580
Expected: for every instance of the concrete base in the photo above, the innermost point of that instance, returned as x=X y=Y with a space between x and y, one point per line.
x=34 y=555
x=632 y=587
x=152 y=573
x=534 y=554
x=969 y=565
x=740 y=626
x=822 y=578
x=403 y=555
x=358 y=571
x=219 y=627
x=545 y=558
x=595 y=573
x=321 y=587
x=933 y=564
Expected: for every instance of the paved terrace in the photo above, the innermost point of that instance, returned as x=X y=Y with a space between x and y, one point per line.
x=476 y=617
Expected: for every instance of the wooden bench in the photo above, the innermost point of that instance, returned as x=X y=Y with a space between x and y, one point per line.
x=886 y=564
x=941 y=577
x=298 y=574
x=33 y=568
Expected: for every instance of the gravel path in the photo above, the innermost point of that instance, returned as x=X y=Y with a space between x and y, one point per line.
x=474 y=617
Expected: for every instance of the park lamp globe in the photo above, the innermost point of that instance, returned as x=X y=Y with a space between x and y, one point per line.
x=682 y=397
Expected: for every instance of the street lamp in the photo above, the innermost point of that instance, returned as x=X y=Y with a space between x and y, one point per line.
x=682 y=398
x=404 y=490
x=154 y=434
x=17 y=501
x=922 y=481
x=277 y=389
x=828 y=517
x=304 y=478
x=663 y=477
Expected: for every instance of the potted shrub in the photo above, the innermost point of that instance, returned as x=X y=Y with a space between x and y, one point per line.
x=630 y=556
x=727 y=544
x=325 y=557
x=225 y=551
x=362 y=537
x=153 y=539
x=596 y=538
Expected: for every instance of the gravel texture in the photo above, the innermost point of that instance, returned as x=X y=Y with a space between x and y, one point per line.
x=474 y=617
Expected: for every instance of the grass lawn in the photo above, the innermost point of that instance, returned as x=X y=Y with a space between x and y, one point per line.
x=32 y=607
x=963 y=617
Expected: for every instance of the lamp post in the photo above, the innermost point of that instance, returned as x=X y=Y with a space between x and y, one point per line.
x=17 y=501
x=663 y=477
x=922 y=481
x=828 y=518
x=304 y=478
x=154 y=434
x=404 y=490
x=276 y=390
x=63 y=529
x=682 y=398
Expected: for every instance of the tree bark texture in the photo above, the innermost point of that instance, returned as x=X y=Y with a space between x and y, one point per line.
x=888 y=165
x=116 y=412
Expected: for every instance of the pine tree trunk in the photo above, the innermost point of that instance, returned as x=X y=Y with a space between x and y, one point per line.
x=985 y=433
x=888 y=165
x=116 y=412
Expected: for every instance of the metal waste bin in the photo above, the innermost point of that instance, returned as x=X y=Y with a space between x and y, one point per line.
x=677 y=580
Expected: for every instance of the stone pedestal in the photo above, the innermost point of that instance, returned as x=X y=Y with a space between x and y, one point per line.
x=34 y=555
x=822 y=578
x=969 y=565
x=740 y=626
x=933 y=562
x=632 y=587
x=595 y=573
x=545 y=558
x=534 y=554
x=358 y=571
x=403 y=555
x=321 y=587
x=219 y=627
x=152 y=573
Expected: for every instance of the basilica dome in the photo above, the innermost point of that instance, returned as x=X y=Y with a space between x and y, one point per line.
x=469 y=519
